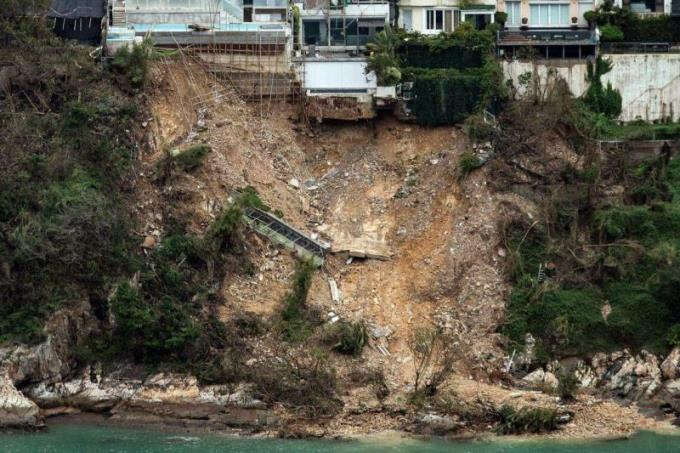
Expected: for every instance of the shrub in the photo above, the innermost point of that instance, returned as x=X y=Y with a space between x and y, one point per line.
x=568 y=385
x=296 y=324
x=192 y=157
x=467 y=163
x=347 y=338
x=305 y=383
x=526 y=420
x=599 y=99
x=673 y=336
x=444 y=96
x=383 y=59
x=610 y=33
x=501 y=17
x=132 y=64
x=478 y=129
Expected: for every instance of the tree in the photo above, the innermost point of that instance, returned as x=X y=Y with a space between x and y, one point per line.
x=433 y=355
x=383 y=59
x=598 y=98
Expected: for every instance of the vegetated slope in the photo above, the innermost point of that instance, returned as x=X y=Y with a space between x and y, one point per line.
x=72 y=145
x=68 y=147
x=594 y=265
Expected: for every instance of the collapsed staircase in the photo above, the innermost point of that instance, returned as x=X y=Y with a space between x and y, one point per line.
x=280 y=232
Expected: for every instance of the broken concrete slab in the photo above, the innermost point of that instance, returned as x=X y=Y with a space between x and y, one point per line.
x=362 y=248
x=336 y=295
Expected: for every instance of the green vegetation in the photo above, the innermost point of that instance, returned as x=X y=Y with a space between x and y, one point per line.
x=67 y=155
x=347 y=337
x=192 y=157
x=297 y=322
x=609 y=32
x=598 y=99
x=453 y=75
x=131 y=65
x=180 y=159
x=383 y=59
x=532 y=420
x=602 y=127
x=620 y=24
x=467 y=163
x=581 y=256
x=567 y=385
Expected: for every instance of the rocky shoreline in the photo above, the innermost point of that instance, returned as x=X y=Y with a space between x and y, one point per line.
x=44 y=381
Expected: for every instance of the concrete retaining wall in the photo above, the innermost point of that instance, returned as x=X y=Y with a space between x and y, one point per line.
x=649 y=83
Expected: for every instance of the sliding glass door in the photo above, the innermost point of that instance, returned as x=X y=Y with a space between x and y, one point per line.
x=549 y=14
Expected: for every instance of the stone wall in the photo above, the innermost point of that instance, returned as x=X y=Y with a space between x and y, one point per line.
x=649 y=83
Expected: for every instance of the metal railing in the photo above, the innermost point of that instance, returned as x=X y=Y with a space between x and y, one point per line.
x=541 y=36
x=636 y=47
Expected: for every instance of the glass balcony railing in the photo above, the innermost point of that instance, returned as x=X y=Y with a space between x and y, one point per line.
x=270 y=4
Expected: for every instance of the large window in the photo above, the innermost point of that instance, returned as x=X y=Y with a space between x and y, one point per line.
x=549 y=14
x=407 y=19
x=584 y=7
x=434 y=19
x=514 y=15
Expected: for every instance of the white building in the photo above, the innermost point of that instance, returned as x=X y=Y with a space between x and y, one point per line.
x=341 y=25
x=435 y=16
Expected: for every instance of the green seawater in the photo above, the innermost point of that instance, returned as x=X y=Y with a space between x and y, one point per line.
x=98 y=439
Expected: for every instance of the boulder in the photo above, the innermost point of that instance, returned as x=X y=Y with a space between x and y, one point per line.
x=540 y=378
x=670 y=368
x=628 y=376
x=16 y=411
x=49 y=361
x=431 y=423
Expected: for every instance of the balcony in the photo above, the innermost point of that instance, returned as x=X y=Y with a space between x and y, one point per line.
x=278 y=4
x=547 y=37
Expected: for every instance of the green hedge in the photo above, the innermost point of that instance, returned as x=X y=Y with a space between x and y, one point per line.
x=637 y=29
x=443 y=96
x=650 y=29
x=421 y=55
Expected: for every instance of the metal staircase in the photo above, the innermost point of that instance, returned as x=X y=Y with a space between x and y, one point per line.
x=277 y=230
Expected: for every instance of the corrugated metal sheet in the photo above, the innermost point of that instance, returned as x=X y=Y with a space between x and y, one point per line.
x=73 y=9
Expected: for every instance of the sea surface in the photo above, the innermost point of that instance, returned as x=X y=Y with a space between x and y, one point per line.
x=101 y=439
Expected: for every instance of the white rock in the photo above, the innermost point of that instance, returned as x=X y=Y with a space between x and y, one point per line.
x=670 y=368
x=16 y=411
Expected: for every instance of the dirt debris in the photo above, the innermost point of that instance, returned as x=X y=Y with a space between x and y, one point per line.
x=382 y=181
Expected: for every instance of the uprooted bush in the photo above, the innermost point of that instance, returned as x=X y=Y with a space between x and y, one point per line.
x=347 y=337
x=526 y=420
x=186 y=160
x=306 y=383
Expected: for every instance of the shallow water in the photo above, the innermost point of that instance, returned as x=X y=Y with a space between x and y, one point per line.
x=98 y=439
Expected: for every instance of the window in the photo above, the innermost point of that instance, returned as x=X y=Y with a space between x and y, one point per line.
x=549 y=14
x=584 y=7
x=514 y=15
x=434 y=19
x=407 y=19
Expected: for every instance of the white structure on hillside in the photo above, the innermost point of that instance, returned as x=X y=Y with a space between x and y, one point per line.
x=435 y=16
x=340 y=25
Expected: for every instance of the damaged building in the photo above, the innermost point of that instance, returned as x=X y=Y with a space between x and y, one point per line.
x=78 y=19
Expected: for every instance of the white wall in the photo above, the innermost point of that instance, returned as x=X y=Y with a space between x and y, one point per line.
x=649 y=83
x=336 y=75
